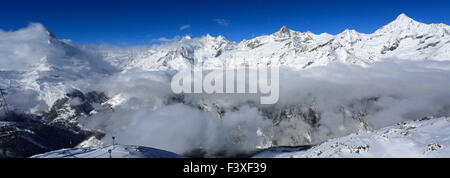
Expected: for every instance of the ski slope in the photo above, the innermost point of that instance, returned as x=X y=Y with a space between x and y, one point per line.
x=117 y=151
x=423 y=138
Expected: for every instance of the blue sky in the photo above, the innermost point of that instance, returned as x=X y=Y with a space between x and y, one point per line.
x=140 y=22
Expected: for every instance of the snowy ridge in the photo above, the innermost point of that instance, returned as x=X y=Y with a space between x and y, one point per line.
x=425 y=137
x=117 y=151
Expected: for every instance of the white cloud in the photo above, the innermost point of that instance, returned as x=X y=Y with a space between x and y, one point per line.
x=184 y=27
x=341 y=96
x=222 y=22
x=165 y=39
x=24 y=47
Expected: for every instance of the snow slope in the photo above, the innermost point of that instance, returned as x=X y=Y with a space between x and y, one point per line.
x=117 y=151
x=425 y=137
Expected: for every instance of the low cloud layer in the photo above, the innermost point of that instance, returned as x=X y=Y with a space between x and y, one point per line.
x=315 y=104
x=342 y=98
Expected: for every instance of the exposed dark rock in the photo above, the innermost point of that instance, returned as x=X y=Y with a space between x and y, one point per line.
x=27 y=135
x=322 y=45
x=308 y=64
x=219 y=52
x=81 y=104
x=179 y=98
x=254 y=44
x=429 y=45
x=392 y=47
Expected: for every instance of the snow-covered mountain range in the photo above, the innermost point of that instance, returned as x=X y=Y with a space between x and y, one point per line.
x=404 y=38
x=33 y=58
x=330 y=86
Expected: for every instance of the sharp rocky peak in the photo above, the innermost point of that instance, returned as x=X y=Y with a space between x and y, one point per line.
x=219 y=38
x=284 y=30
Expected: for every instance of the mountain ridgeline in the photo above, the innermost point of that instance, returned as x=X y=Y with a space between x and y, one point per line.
x=60 y=93
x=404 y=38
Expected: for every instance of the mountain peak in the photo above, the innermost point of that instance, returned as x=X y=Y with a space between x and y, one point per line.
x=402 y=22
x=402 y=18
x=284 y=30
x=50 y=33
x=187 y=37
x=348 y=32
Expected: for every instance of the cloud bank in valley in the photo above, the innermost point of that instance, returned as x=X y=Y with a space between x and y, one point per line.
x=342 y=98
x=315 y=104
